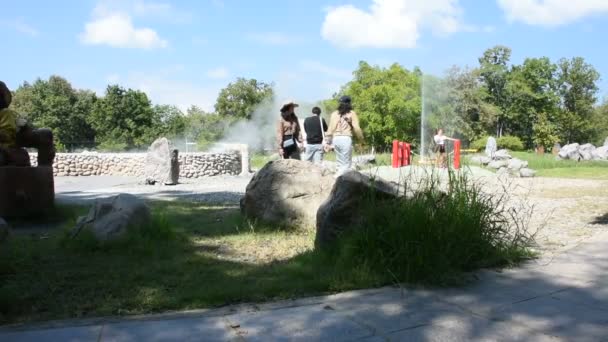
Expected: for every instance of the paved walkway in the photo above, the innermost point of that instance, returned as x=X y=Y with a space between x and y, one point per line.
x=565 y=298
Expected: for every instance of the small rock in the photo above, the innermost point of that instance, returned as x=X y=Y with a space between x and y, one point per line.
x=517 y=164
x=525 y=172
x=497 y=164
x=481 y=160
x=502 y=155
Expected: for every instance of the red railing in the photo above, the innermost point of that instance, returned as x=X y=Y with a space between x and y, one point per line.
x=456 y=154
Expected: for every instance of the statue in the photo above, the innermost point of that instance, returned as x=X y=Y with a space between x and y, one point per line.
x=25 y=191
x=16 y=135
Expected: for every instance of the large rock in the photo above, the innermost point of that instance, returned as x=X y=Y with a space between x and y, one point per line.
x=525 y=172
x=491 y=147
x=497 y=164
x=480 y=160
x=111 y=218
x=600 y=153
x=26 y=191
x=517 y=164
x=287 y=192
x=5 y=230
x=570 y=151
x=159 y=167
x=501 y=155
x=586 y=151
x=342 y=211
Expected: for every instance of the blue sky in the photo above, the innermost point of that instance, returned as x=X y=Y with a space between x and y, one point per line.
x=183 y=52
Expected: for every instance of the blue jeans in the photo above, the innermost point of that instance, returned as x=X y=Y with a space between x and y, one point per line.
x=343 y=145
x=314 y=153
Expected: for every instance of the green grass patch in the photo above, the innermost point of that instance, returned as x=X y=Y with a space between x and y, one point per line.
x=196 y=256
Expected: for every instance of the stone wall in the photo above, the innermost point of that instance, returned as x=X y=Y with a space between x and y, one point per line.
x=192 y=165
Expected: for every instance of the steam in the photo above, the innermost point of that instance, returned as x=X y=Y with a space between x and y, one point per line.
x=259 y=133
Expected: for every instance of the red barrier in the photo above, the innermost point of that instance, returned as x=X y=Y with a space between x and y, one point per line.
x=456 y=154
x=402 y=154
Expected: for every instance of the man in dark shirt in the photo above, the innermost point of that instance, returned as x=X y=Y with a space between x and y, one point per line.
x=315 y=136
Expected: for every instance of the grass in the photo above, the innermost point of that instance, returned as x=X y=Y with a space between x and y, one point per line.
x=196 y=256
x=547 y=166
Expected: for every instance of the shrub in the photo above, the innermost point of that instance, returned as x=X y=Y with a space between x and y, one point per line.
x=435 y=235
x=510 y=142
x=479 y=144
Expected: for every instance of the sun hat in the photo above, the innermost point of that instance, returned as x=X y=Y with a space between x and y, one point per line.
x=289 y=103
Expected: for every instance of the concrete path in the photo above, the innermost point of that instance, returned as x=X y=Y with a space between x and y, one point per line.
x=562 y=299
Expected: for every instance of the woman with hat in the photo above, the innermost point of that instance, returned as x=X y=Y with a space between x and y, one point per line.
x=343 y=125
x=289 y=135
x=10 y=153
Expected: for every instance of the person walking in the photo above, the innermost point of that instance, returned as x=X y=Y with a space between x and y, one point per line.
x=343 y=125
x=315 y=128
x=289 y=135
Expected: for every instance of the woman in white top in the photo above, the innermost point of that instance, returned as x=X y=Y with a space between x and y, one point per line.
x=440 y=147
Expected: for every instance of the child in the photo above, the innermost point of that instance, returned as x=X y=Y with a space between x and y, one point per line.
x=440 y=139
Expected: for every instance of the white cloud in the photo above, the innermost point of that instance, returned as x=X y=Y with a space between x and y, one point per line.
x=218 y=73
x=20 y=26
x=390 y=23
x=145 y=9
x=551 y=13
x=272 y=38
x=117 y=30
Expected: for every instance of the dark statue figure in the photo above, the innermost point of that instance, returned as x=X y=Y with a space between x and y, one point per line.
x=16 y=135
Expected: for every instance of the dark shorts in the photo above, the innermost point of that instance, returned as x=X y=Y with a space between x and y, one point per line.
x=441 y=148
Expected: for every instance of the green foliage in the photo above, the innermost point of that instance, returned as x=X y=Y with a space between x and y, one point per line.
x=54 y=104
x=388 y=103
x=544 y=132
x=205 y=128
x=479 y=144
x=510 y=142
x=239 y=99
x=445 y=233
x=124 y=117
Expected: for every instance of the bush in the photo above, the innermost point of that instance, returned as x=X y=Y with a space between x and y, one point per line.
x=479 y=144
x=510 y=142
x=435 y=235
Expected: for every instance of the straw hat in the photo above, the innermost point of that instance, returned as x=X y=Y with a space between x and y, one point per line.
x=289 y=103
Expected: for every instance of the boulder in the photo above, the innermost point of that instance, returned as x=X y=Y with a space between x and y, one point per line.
x=287 y=191
x=342 y=210
x=525 y=172
x=5 y=230
x=159 y=167
x=111 y=218
x=586 y=151
x=570 y=151
x=497 y=164
x=502 y=155
x=480 y=160
x=491 y=147
x=517 y=164
x=600 y=153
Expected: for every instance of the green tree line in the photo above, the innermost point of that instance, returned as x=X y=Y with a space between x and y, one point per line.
x=539 y=102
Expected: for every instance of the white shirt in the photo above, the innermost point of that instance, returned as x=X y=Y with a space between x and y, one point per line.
x=439 y=139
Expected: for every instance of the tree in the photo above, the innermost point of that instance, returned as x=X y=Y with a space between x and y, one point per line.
x=531 y=90
x=494 y=73
x=578 y=90
x=388 y=103
x=239 y=99
x=54 y=104
x=544 y=132
x=171 y=121
x=123 y=119
x=204 y=128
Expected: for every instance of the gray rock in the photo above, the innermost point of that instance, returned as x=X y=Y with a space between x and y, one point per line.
x=111 y=218
x=5 y=230
x=586 y=147
x=570 y=151
x=480 y=160
x=158 y=167
x=600 y=153
x=362 y=160
x=517 y=164
x=502 y=155
x=502 y=171
x=497 y=164
x=585 y=155
x=525 y=172
x=342 y=211
x=491 y=147
x=287 y=192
